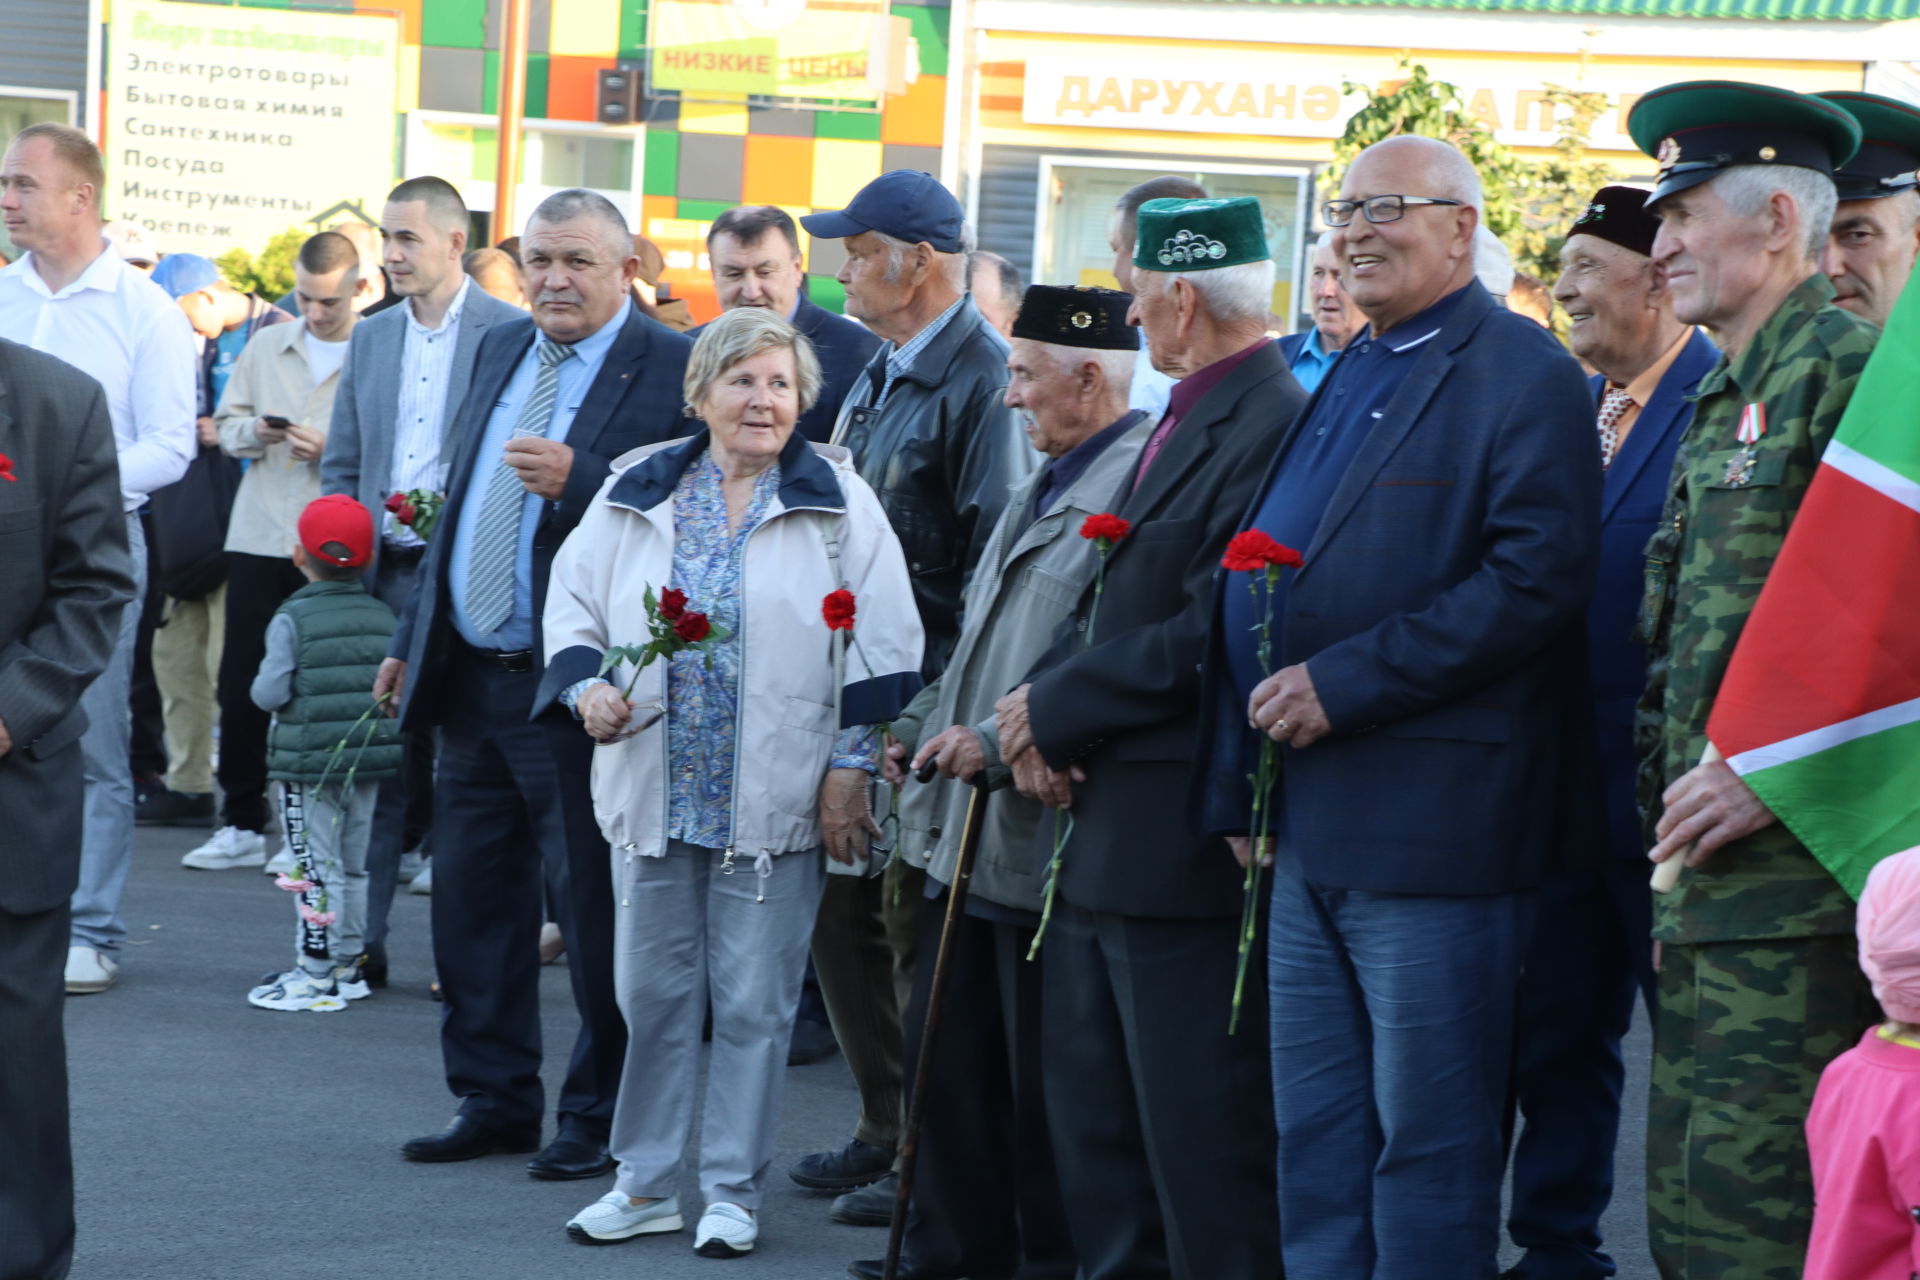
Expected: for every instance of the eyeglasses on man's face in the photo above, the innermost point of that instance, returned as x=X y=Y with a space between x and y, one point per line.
x=1339 y=213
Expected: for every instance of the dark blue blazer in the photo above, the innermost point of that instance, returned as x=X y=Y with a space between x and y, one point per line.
x=844 y=349
x=635 y=400
x=1439 y=613
x=1634 y=495
x=1290 y=345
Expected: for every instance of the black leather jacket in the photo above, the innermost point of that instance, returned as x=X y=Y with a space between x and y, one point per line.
x=944 y=453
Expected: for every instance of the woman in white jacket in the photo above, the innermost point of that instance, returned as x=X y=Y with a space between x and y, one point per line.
x=718 y=810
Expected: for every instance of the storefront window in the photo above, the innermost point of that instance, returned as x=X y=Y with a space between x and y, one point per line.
x=1078 y=198
x=582 y=160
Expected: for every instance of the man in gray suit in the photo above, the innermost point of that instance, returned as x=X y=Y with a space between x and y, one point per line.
x=65 y=576
x=406 y=374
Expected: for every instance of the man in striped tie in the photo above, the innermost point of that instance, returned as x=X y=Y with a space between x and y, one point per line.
x=554 y=399
x=1592 y=951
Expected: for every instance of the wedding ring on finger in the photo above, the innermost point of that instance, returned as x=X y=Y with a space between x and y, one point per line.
x=1282 y=729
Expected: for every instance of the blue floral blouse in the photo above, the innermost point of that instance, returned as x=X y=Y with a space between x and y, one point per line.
x=703 y=700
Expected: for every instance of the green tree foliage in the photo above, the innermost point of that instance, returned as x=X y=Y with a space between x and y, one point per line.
x=271 y=273
x=1529 y=203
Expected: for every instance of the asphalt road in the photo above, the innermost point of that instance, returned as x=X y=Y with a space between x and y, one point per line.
x=215 y=1141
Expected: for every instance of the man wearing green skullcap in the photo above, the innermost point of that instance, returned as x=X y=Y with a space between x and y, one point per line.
x=1758 y=988
x=1876 y=230
x=1162 y=1122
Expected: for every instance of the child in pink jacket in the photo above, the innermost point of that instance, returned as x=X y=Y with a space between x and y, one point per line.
x=1864 y=1130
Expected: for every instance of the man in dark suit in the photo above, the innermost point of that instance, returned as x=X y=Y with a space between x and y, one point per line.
x=554 y=400
x=1592 y=948
x=1161 y=1122
x=63 y=557
x=1430 y=699
x=754 y=253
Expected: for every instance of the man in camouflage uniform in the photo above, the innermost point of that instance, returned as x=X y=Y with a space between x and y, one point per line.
x=1758 y=988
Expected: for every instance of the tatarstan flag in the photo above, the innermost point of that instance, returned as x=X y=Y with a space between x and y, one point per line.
x=1820 y=708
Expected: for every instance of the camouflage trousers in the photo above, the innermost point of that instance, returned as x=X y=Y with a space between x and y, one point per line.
x=1741 y=1032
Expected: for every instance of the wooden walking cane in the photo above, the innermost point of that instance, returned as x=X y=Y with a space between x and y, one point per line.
x=936 y=998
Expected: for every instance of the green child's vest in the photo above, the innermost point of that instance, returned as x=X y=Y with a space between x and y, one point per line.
x=343 y=634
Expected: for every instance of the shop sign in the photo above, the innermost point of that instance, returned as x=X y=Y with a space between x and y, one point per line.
x=1295 y=92
x=226 y=126
x=820 y=49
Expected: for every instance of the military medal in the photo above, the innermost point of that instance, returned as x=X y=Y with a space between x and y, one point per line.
x=1753 y=425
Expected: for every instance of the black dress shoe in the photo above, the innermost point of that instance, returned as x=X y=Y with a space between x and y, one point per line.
x=870 y=1206
x=468 y=1139
x=811 y=1042
x=854 y=1165
x=165 y=808
x=571 y=1156
x=373 y=967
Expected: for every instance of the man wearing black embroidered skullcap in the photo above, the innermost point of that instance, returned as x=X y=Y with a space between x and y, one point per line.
x=986 y=1200
x=1591 y=954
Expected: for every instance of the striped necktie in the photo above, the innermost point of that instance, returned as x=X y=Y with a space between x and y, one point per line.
x=1613 y=406
x=496 y=537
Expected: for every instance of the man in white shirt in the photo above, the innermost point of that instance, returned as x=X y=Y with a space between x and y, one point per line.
x=72 y=296
x=407 y=371
x=274 y=412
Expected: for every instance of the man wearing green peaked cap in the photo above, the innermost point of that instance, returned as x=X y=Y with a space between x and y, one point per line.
x=1758 y=988
x=1876 y=231
x=1162 y=1123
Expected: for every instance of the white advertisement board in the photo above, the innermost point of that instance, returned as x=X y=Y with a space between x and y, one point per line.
x=226 y=126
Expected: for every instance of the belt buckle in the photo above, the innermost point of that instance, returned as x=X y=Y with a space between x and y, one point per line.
x=516 y=662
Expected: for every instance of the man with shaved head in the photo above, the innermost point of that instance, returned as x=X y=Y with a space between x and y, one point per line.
x=556 y=397
x=1424 y=688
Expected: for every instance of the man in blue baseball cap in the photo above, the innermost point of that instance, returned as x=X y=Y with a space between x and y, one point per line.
x=928 y=428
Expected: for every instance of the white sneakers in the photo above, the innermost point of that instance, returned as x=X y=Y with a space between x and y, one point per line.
x=725 y=1231
x=614 y=1217
x=297 y=991
x=226 y=848
x=422 y=883
x=281 y=863
x=89 y=971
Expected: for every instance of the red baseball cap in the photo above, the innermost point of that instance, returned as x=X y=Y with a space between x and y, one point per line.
x=337 y=530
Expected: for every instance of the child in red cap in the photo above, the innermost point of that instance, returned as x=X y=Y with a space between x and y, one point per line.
x=329 y=747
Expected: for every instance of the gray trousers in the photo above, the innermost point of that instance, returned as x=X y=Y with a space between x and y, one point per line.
x=328 y=829
x=106 y=840
x=686 y=932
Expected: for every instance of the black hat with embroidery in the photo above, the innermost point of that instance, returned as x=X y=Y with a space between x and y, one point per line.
x=1077 y=316
x=1697 y=128
x=1619 y=215
x=1889 y=151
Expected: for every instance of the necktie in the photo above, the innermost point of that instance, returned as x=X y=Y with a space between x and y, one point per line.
x=1613 y=406
x=489 y=599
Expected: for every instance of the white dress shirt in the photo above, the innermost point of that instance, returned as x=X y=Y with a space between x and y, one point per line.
x=123 y=330
x=426 y=368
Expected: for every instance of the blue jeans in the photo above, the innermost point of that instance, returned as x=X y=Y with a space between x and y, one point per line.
x=1392 y=1019
x=106 y=840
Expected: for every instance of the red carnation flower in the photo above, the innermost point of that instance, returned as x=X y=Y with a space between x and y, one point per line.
x=692 y=627
x=838 y=609
x=6 y=469
x=395 y=501
x=1105 y=528
x=673 y=604
x=1251 y=551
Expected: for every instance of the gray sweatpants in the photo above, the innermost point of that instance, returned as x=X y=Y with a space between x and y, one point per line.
x=686 y=932
x=327 y=831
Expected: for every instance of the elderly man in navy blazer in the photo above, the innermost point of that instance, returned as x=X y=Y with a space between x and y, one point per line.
x=1428 y=701
x=754 y=254
x=554 y=400
x=1592 y=947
